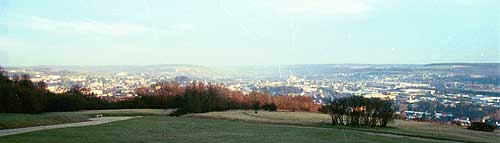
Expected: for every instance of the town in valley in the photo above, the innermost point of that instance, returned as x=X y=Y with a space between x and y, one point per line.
x=454 y=92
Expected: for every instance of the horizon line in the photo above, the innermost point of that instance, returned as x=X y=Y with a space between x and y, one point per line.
x=231 y=65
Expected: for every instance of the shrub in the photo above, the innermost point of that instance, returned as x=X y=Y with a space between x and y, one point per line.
x=178 y=112
x=480 y=126
x=271 y=107
x=256 y=106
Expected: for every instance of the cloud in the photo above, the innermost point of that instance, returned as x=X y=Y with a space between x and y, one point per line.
x=323 y=7
x=40 y=23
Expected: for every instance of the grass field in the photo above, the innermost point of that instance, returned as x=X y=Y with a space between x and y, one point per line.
x=400 y=127
x=125 y=112
x=237 y=126
x=9 y=121
x=187 y=129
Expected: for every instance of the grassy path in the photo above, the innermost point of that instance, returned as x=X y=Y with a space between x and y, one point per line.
x=94 y=121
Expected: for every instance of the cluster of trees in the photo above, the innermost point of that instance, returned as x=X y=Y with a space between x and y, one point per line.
x=480 y=126
x=270 y=107
x=288 y=103
x=199 y=97
x=356 y=110
x=21 y=95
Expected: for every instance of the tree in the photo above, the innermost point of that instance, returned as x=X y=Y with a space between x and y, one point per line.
x=256 y=106
x=356 y=110
x=270 y=107
x=480 y=126
x=386 y=113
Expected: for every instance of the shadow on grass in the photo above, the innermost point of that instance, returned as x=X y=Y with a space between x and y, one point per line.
x=389 y=130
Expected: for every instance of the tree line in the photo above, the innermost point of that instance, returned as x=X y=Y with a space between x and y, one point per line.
x=20 y=95
x=357 y=110
x=200 y=97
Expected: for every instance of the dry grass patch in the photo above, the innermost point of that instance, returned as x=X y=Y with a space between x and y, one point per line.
x=297 y=118
x=440 y=130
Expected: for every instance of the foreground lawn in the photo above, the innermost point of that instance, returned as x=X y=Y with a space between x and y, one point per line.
x=126 y=112
x=9 y=121
x=188 y=129
x=400 y=127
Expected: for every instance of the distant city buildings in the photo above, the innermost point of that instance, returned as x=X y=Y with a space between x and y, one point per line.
x=406 y=89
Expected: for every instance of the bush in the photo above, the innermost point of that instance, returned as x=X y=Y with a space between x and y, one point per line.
x=480 y=126
x=256 y=106
x=271 y=107
x=178 y=112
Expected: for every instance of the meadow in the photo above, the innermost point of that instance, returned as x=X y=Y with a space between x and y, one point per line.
x=397 y=127
x=188 y=129
x=229 y=126
x=10 y=121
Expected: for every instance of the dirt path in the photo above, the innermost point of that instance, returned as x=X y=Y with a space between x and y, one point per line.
x=94 y=121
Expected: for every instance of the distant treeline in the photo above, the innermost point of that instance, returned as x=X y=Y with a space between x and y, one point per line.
x=199 y=97
x=356 y=110
x=21 y=95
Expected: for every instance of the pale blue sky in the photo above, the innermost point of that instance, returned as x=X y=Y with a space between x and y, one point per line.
x=247 y=32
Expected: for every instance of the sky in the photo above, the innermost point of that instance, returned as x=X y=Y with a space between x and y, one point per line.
x=247 y=32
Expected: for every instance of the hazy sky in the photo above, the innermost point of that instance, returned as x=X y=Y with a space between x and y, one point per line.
x=235 y=32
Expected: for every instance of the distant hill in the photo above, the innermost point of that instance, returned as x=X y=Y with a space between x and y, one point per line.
x=123 y=68
x=489 y=69
x=466 y=64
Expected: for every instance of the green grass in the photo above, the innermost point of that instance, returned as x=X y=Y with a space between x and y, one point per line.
x=238 y=126
x=399 y=127
x=187 y=129
x=456 y=135
x=125 y=112
x=9 y=121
